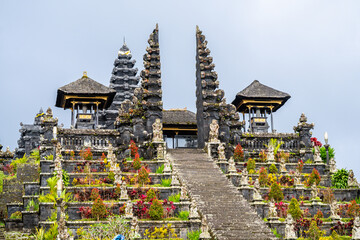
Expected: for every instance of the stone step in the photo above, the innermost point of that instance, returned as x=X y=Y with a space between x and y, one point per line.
x=228 y=214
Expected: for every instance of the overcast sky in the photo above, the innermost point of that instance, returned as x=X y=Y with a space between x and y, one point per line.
x=309 y=49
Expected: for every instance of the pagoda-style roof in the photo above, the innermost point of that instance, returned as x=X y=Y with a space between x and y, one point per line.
x=257 y=94
x=179 y=117
x=84 y=89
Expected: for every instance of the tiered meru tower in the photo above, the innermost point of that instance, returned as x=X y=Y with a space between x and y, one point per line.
x=124 y=81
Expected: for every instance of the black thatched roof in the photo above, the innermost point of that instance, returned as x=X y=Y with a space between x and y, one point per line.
x=179 y=117
x=85 y=87
x=260 y=92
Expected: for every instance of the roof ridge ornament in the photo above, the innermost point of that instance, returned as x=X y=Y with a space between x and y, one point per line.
x=85 y=74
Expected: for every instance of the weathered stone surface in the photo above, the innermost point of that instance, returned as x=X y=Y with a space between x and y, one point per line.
x=228 y=214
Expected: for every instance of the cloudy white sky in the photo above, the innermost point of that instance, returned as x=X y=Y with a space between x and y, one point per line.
x=307 y=48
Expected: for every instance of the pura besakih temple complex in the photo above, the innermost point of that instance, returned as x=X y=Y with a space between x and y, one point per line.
x=172 y=172
x=123 y=81
x=86 y=98
x=259 y=101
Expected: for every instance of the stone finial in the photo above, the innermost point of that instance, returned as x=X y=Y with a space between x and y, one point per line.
x=193 y=213
x=129 y=209
x=221 y=152
x=256 y=193
x=244 y=178
x=356 y=228
x=352 y=182
x=157 y=131
x=160 y=152
x=49 y=113
x=204 y=229
x=289 y=228
x=214 y=132
x=333 y=210
x=303 y=118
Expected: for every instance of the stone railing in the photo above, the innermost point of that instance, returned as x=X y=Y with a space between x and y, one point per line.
x=258 y=141
x=77 y=139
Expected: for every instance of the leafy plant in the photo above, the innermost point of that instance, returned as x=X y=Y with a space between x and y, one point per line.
x=340 y=179
x=150 y=194
x=250 y=166
x=314 y=177
x=160 y=169
x=300 y=166
x=49 y=157
x=263 y=177
x=16 y=215
x=353 y=209
x=328 y=195
x=65 y=178
x=174 y=198
x=137 y=163
x=17 y=162
x=184 y=215
x=32 y=206
x=86 y=154
x=98 y=209
x=166 y=182
x=161 y=233
x=94 y=194
x=276 y=192
x=238 y=153
x=275 y=144
x=193 y=235
x=50 y=234
x=314 y=232
x=156 y=211
x=133 y=148
x=143 y=176
x=273 y=169
x=294 y=209
x=274 y=231
x=323 y=153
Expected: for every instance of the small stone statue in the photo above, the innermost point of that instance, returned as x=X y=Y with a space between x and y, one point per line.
x=282 y=166
x=123 y=192
x=272 y=210
x=160 y=151
x=270 y=154
x=134 y=231
x=332 y=164
x=356 y=228
x=214 y=132
x=297 y=179
x=221 y=152
x=49 y=113
x=183 y=194
x=289 y=228
x=256 y=193
x=317 y=158
x=129 y=209
x=157 y=131
x=174 y=180
x=204 y=229
x=333 y=209
x=232 y=167
x=244 y=178
x=117 y=176
x=352 y=180
x=314 y=191
x=167 y=167
x=111 y=157
x=193 y=214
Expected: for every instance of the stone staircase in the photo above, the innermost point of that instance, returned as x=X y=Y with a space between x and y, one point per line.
x=228 y=214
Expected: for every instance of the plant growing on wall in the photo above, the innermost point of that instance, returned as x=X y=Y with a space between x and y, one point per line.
x=276 y=192
x=263 y=177
x=314 y=177
x=98 y=209
x=323 y=153
x=273 y=169
x=137 y=162
x=133 y=148
x=294 y=209
x=340 y=179
x=143 y=176
x=251 y=166
x=156 y=211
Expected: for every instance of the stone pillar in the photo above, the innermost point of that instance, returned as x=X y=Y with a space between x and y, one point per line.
x=47 y=142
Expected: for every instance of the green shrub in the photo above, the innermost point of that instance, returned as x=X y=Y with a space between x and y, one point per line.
x=323 y=153
x=50 y=234
x=95 y=193
x=16 y=215
x=276 y=192
x=251 y=166
x=49 y=157
x=263 y=177
x=65 y=178
x=150 y=194
x=166 y=182
x=174 y=198
x=111 y=176
x=137 y=163
x=193 y=235
x=32 y=206
x=340 y=179
x=313 y=178
x=35 y=154
x=294 y=209
x=98 y=209
x=273 y=169
x=184 y=215
x=314 y=232
x=18 y=161
x=143 y=176
x=238 y=153
x=156 y=211
x=274 y=231
x=160 y=169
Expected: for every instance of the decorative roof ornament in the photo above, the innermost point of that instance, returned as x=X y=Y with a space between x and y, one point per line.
x=85 y=74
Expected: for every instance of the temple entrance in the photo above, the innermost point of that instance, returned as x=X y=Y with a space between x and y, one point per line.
x=180 y=128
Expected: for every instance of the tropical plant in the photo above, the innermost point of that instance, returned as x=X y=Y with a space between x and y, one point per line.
x=32 y=206
x=16 y=215
x=300 y=166
x=143 y=176
x=133 y=148
x=156 y=211
x=160 y=169
x=95 y=193
x=193 y=235
x=50 y=234
x=238 y=153
x=273 y=169
x=294 y=209
x=314 y=177
x=98 y=209
x=184 y=215
x=250 y=166
x=174 y=198
x=340 y=179
x=276 y=192
x=86 y=154
x=275 y=144
x=323 y=153
x=164 y=232
x=263 y=177
x=65 y=178
x=137 y=163
x=314 y=232
x=150 y=194
x=17 y=162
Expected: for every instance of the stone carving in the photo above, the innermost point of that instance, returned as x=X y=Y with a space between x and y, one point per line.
x=333 y=210
x=317 y=158
x=49 y=113
x=111 y=158
x=272 y=210
x=232 y=166
x=118 y=177
x=129 y=209
x=167 y=167
x=160 y=151
x=204 y=229
x=183 y=194
x=221 y=152
x=283 y=166
x=297 y=179
x=270 y=154
x=289 y=228
x=314 y=191
x=157 y=131
x=244 y=178
x=123 y=192
x=214 y=132
x=62 y=230
x=356 y=228
x=256 y=193
x=193 y=214
x=352 y=182
x=332 y=164
x=134 y=230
